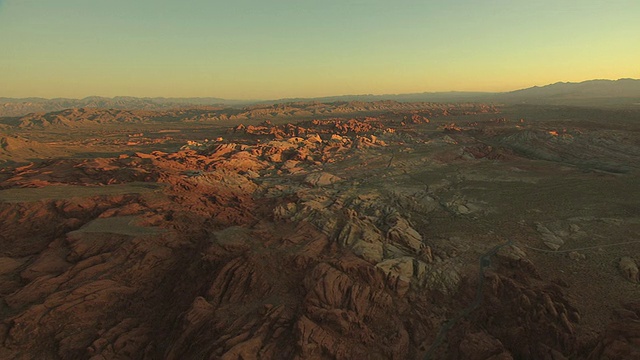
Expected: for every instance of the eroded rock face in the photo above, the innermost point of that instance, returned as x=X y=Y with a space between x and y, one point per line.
x=621 y=336
x=549 y=238
x=331 y=273
x=279 y=249
x=481 y=346
x=629 y=269
x=321 y=179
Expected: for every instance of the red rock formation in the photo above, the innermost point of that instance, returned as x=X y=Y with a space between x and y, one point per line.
x=264 y=249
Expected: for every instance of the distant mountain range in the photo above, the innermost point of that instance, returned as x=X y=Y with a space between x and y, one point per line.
x=19 y=107
x=586 y=93
x=590 y=92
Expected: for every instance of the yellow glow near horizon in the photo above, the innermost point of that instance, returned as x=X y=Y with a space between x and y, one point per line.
x=248 y=50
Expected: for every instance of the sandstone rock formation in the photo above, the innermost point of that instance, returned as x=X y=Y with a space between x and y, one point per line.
x=355 y=237
x=629 y=269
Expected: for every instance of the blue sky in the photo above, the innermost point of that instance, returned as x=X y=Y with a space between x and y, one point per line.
x=282 y=48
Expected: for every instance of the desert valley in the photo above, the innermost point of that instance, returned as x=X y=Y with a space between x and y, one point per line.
x=327 y=229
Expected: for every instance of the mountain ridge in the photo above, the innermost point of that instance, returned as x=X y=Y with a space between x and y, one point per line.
x=590 y=92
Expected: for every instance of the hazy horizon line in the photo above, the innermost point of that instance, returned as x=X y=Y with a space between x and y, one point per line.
x=315 y=97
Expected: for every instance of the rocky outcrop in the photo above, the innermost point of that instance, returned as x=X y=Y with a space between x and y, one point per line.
x=621 y=337
x=629 y=269
x=321 y=179
x=329 y=238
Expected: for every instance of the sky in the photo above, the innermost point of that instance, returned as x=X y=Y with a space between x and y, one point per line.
x=270 y=49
